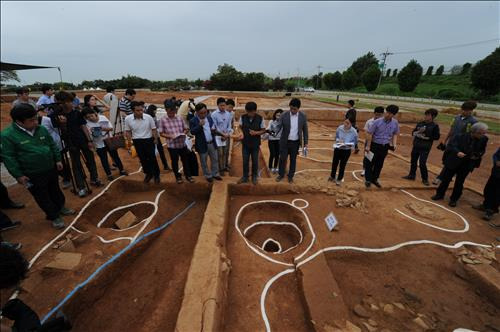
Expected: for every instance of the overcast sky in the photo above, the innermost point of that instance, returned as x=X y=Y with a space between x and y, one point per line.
x=168 y=40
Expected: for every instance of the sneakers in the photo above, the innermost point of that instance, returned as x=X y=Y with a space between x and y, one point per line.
x=148 y=178
x=436 y=182
x=123 y=172
x=437 y=197
x=368 y=184
x=338 y=182
x=82 y=193
x=66 y=184
x=452 y=203
x=210 y=180
x=242 y=180
x=290 y=180
x=330 y=179
x=409 y=177
x=279 y=178
x=488 y=215
x=58 y=223
x=363 y=173
x=179 y=180
x=377 y=184
x=66 y=211
x=254 y=180
x=189 y=179
x=11 y=245
x=157 y=179
x=425 y=182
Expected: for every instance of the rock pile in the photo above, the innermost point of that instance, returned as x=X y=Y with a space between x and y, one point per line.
x=482 y=256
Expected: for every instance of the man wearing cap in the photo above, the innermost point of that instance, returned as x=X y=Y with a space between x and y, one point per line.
x=380 y=138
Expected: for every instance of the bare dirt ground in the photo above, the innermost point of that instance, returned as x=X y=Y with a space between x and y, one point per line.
x=143 y=289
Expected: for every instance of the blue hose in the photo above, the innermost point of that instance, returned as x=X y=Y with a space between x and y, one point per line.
x=112 y=259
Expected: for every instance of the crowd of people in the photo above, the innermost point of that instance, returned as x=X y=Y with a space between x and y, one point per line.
x=51 y=141
x=58 y=137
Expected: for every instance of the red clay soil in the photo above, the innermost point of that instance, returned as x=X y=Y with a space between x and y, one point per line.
x=367 y=274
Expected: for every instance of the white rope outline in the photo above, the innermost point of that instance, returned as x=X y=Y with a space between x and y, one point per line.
x=258 y=252
x=277 y=223
x=272 y=240
x=301 y=200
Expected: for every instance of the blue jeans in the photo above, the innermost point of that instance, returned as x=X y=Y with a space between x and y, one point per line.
x=214 y=162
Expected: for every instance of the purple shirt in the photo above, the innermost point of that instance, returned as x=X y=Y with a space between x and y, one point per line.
x=382 y=131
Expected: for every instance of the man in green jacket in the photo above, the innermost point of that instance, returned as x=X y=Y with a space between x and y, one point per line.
x=32 y=157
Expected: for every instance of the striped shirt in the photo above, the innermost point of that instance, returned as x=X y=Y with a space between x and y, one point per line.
x=124 y=106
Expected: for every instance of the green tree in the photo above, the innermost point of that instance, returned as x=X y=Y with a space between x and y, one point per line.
x=370 y=77
x=440 y=70
x=278 y=84
x=429 y=71
x=253 y=82
x=8 y=75
x=317 y=81
x=349 y=79
x=395 y=73
x=409 y=76
x=388 y=73
x=333 y=80
x=227 y=78
x=485 y=75
x=363 y=63
x=466 y=68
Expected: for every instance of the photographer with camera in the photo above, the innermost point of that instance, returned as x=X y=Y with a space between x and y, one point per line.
x=46 y=98
x=76 y=139
x=32 y=157
x=463 y=154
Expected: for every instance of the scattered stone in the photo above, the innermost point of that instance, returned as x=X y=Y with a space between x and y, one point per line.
x=410 y=296
x=352 y=193
x=98 y=253
x=467 y=260
x=394 y=190
x=372 y=322
x=68 y=246
x=350 y=327
x=385 y=330
x=374 y=307
x=399 y=305
x=127 y=220
x=361 y=311
x=463 y=252
x=368 y=301
x=65 y=261
x=420 y=322
x=422 y=210
x=389 y=308
x=369 y=327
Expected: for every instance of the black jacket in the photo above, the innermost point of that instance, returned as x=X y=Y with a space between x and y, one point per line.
x=424 y=139
x=473 y=149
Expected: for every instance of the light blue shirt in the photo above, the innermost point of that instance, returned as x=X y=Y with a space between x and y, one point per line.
x=207 y=131
x=347 y=136
x=222 y=121
x=44 y=100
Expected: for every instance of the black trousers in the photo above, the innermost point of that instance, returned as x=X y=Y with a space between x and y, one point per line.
x=290 y=149
x=274 y=153
x=374 y=167
x=145 y=148
x=252 y=152
x=47 y=193
x=103 y=155
x=174 y=157
x=77 y=166
x=461 y=173
x=420 y=155
x=161 y=152
x=65 y=173
x=193 y=163
x=340 y=156
x=492 y=193
x=5 y=200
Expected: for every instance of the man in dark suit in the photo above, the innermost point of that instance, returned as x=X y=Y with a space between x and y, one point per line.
x=293 y=124
x=203 y=128
x=463 y=154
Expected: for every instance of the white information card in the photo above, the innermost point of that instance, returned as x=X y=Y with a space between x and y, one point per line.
x=331 y=221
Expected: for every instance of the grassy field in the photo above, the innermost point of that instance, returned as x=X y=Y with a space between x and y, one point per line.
x=494 y=126
x=448 y=87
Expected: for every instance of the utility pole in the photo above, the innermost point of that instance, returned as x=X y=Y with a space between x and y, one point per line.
x=384 y=58
x=318 y=78
x=298 y=78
